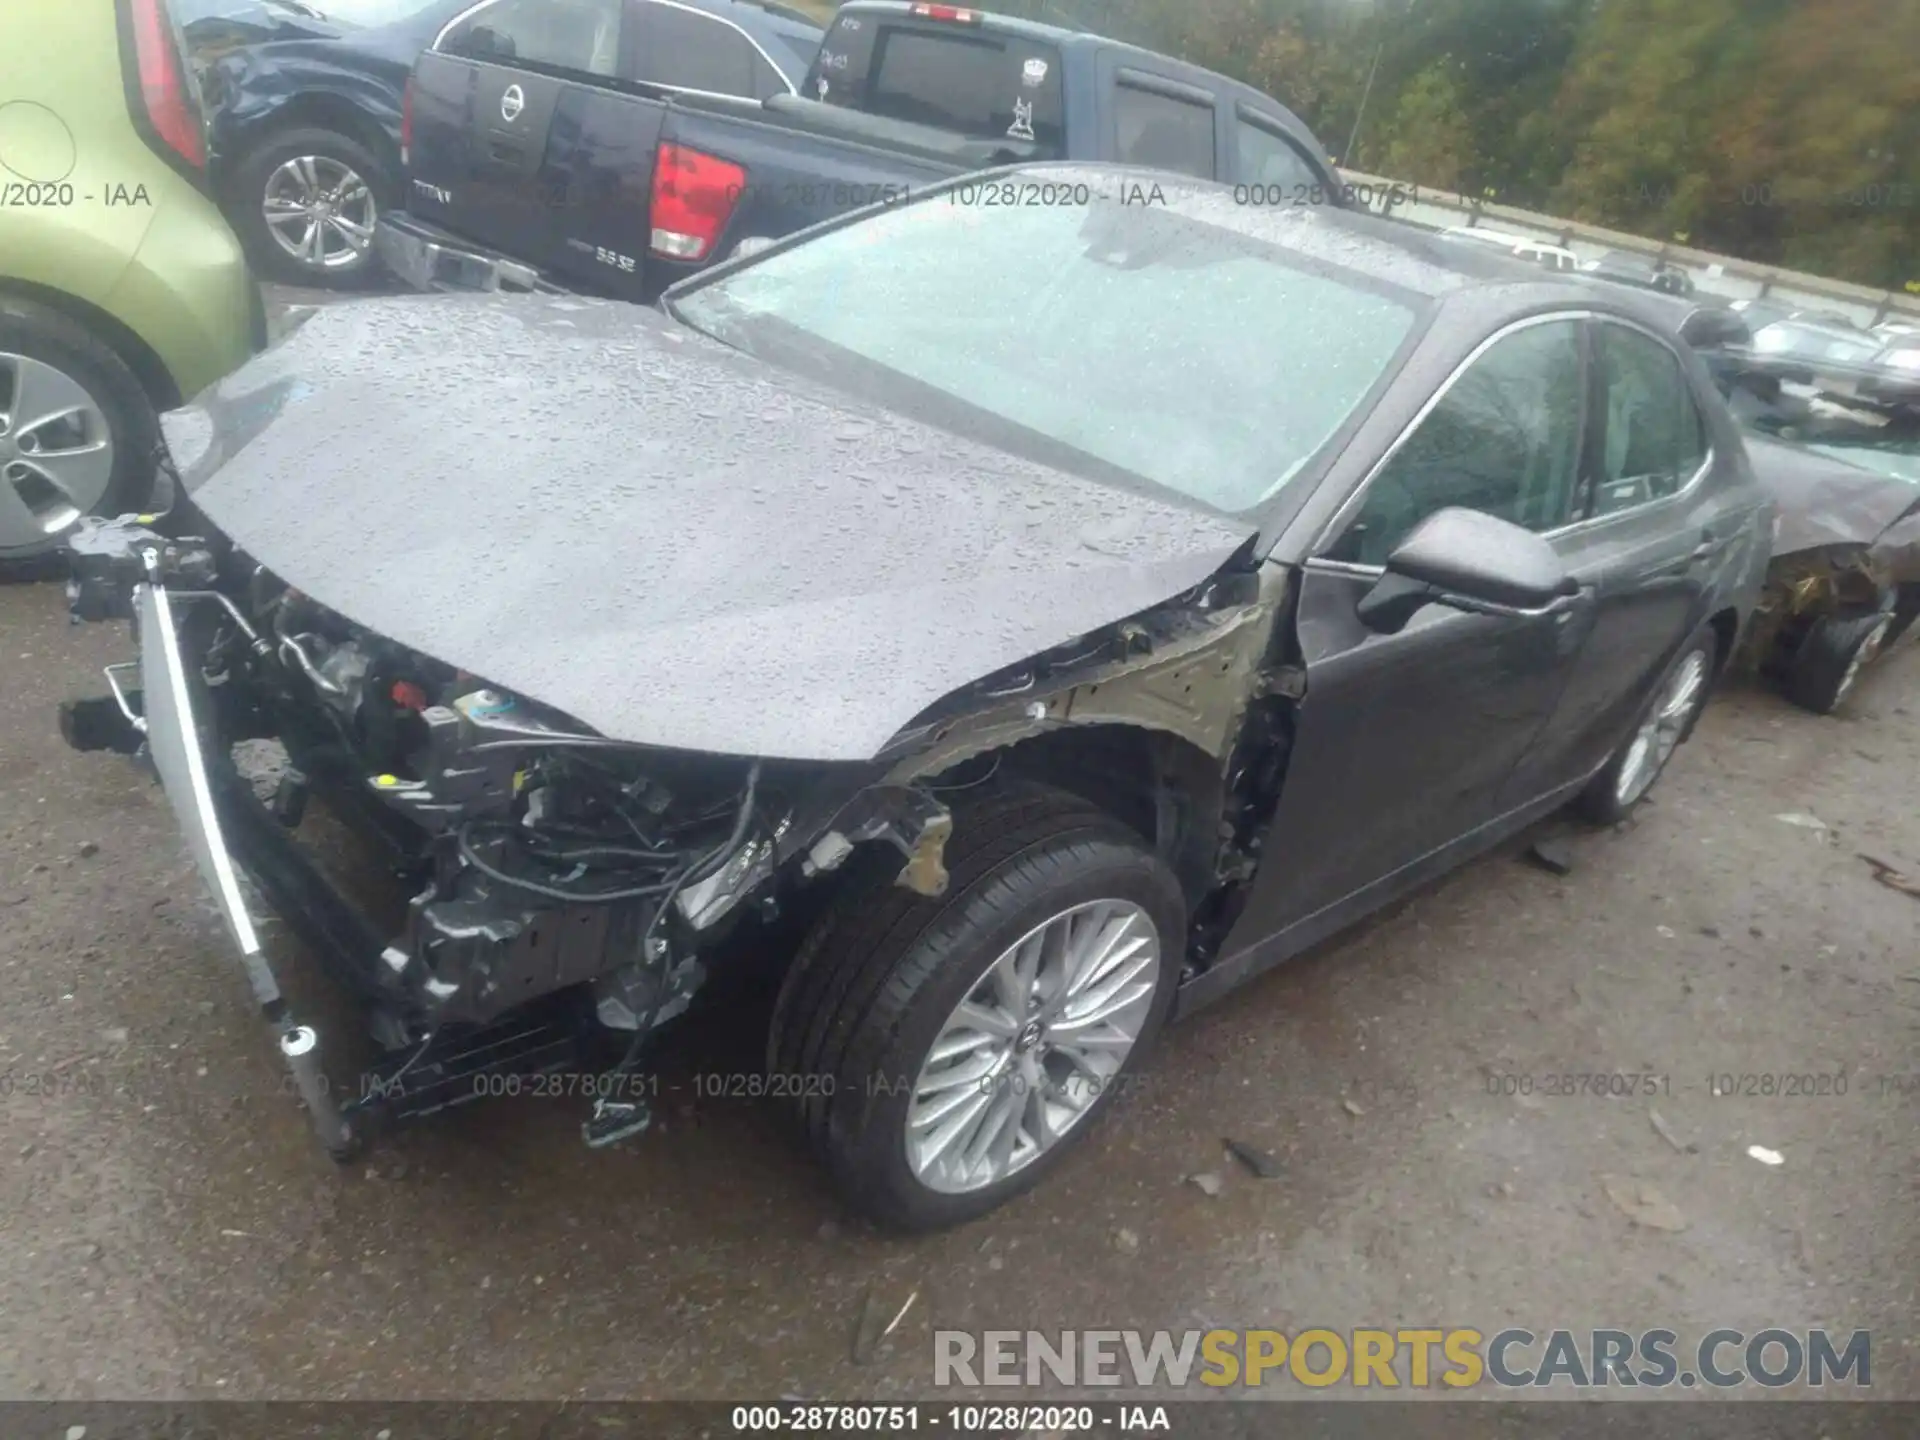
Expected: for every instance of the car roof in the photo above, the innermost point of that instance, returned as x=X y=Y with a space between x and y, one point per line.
x=1395 y=253
x=1807 y=324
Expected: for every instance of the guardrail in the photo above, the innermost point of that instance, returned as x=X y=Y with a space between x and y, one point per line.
x=1721 y=275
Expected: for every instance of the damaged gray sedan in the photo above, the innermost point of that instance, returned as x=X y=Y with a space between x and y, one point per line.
x=1049 y=615
x=1843 y=470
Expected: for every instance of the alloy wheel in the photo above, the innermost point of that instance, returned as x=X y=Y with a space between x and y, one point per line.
x=56 y=451
x=1660 y=732
x=320 y=211
x=1033 y=1045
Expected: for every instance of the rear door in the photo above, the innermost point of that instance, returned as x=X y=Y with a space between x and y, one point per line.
x=1646 y=539
x=521 y=59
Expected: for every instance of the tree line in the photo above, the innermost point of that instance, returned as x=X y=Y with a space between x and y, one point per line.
x=1785 y=132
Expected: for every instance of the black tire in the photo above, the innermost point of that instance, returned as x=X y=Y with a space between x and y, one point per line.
x=1906 y=609
x=1601 y=803
x=1830 y=658
x=53 y=339
x=245 y=192
x=883 y=968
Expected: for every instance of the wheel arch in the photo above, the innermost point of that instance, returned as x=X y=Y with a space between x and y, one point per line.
x=139 y=357
x=315 y=110
x=1160 y=785
x=1726 y=633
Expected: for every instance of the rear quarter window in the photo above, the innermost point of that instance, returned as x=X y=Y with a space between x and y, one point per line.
x=965 y=79
x=691 y=51
x=581 y=36
x=1162 y=131
x=1267 y=158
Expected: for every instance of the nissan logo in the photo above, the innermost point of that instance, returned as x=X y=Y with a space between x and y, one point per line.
x=512 y=101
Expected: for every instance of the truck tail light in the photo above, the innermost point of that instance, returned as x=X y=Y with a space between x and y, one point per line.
x=951 y=13
x=406 y=122
x=694 y=196
x=167 y=103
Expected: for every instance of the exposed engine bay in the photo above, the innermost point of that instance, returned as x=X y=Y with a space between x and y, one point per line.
x=542 y=860
x=560 y=883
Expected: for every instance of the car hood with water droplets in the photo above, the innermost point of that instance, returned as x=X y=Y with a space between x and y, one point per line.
x=674 y=543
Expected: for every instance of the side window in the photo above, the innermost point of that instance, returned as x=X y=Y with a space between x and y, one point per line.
x=1504 y=439
x=691 y=51
x=1265 y=158
x=768 y=81
x=577 y=35
x=1161 y=131
x=1652 y=436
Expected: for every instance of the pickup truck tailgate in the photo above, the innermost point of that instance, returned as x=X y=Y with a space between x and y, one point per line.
x=551 y=172
x=793 y=178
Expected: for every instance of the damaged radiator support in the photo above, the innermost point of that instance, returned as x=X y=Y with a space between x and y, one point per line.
x=564 y=885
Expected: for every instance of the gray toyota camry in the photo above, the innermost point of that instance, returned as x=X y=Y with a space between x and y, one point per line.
x=1027 y=612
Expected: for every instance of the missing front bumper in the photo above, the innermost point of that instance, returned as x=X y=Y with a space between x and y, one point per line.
x=425 y=1066
x=166 y=718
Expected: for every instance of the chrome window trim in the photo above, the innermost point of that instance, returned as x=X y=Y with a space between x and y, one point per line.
x=732 y=25
x=1332 y=529
x=1692 y=481
x=461 y=19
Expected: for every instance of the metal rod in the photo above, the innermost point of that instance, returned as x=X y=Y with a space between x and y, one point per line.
x=300 y=1045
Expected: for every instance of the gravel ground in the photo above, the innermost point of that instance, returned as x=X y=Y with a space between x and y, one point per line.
x=169 y=1229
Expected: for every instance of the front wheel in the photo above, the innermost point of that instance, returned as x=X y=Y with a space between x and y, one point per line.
x=1669 y=716
x=1828 y=662
x=953 y=1049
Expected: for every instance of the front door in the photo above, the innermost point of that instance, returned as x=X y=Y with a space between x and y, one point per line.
x=1405 y=742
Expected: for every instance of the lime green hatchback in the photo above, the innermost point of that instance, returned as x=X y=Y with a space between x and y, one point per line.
x=122 y=291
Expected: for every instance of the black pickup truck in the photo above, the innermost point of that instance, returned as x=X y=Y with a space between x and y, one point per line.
x=605 y=163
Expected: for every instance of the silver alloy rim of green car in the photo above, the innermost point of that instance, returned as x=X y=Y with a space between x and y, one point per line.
x=56 y=453
x=1033 y=1045
x=1660 y=732
x=320 y=212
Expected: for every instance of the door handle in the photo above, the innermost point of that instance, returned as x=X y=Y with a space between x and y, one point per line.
x=1556 y=609
x=1562 y=608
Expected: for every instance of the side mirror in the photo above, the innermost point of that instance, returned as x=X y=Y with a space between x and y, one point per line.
x=1470 y=561
x=1713 y=327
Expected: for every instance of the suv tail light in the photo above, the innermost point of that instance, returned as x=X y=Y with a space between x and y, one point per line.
x=168 y=104
x=406 y=122
x=693 y=198
x=946 y=12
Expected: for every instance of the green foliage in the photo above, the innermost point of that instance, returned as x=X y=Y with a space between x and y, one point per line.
x=1430 y=134
x=1784 y=131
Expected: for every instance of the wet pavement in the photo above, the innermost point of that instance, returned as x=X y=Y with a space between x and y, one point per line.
x=169 y=1228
